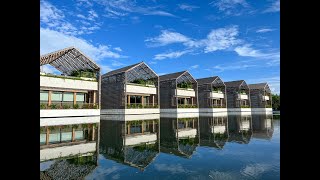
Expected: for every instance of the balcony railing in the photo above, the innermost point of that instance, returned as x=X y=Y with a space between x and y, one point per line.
x=187 y=106
x=68 y=77
x=141 y=106
x=68 y=105
x=218 y=106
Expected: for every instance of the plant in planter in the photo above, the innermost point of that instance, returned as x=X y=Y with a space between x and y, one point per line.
x=43 y=106
x=43 y=130
x=53 y=106
x=88 y=73
x=76 y=106
x=185 y=85
x=66 y=106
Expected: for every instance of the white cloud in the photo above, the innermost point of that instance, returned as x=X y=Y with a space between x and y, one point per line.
x=187 y=7
x=167 y=37
x=230 y=7
x=105 y=69
x=174 y=169
x=51 y=40
x=170 y=55
x=160 y=74
x=247 y=51
x=221 y=68
x=263 y=30
x=275 y=7
x=273 y=82
x=254 y=170
x=49 y=69
x=119 y=8
x=194 y=66
x=118 y=49
x=117 y=63
x=222 y=38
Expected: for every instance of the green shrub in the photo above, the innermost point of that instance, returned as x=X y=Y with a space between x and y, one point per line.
x=76 y=106
x=66 y=106
x=85 y=106
x=53 y=106
x=43 y=106
x=184 y=85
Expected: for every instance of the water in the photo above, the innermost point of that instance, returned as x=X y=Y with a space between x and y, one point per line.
x=171 y=146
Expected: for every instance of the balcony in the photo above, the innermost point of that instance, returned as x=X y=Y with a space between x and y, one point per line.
x=68 y=82
x=265 y=98
x=217 y=95
x=141 y=89
x=186 y=92
x=243 y=96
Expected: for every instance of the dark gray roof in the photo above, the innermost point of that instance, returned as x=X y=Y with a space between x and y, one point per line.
x=124 y=69
x=206 y=80
x=171 y=76
x=234 y=83
x=257 y=86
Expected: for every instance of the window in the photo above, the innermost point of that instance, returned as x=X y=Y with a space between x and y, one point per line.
x=56 y=96
x=44 y=96
x=67 y=97
x=80 y=97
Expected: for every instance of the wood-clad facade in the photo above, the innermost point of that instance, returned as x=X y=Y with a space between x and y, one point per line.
x=238 y=94
x=260 y=95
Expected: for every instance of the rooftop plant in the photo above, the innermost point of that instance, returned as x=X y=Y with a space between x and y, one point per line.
x=186 y=85
x=89 y=73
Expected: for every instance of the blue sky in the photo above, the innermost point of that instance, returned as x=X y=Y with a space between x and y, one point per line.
x=233 y=39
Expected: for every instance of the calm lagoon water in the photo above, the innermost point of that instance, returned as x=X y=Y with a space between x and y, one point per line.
x=172 y=147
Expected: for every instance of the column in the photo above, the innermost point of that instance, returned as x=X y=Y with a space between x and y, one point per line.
x=94 y=97
x=49 y=98
x=142 y=128
x=128 y=132
x=191 y=100
x=74 y=98
x=185 y=100
x=153 y=126
x=93 y=132
x=47 y=136
x=192 y=123
x=142 y=98
x=221 y=102
x=128 y=101
x=73 y=134
x=152 y=100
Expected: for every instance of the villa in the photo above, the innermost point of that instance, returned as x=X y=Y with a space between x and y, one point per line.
x=262 y=126
x=240 y=128
x=213 y=130
x=260 y=97
x=76 y=91
x=134 y=142
x=179 y=136
x=179 y=93
x=130 y=90
x=212 y=95
x=238 y=96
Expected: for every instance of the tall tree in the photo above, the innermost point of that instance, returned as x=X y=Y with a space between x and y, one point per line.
x=276 y=102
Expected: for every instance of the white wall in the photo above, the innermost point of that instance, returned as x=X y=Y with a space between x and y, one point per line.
x=131 y=111
x=65 y=151
x=139 y=139
x=243 y=96
x=217 y=95
x=130 y=117
x=69 y=120
x=187 y=133
x=141 y=89
x=67 y=83
x=212 y=110
x=68 y=112
x=189 y=93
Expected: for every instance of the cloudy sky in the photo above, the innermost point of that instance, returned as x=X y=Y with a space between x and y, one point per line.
x=233 y=39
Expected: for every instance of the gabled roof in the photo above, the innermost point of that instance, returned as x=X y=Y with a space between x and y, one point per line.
x=121 y=70
x=234 y=83
x=68 y=60
x=206 y=80
x=258 y=86
x=171 y=76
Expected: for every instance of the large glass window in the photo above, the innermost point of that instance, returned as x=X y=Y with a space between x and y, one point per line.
x=80 y=97
x=54 y=135
x=68 y=97
x=66 y=134
x=56 y=96
x=44 y=96
x=43 y=134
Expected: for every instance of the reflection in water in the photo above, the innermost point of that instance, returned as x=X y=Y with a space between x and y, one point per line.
x=134 y=142
x=179 y=136
x=142 y=141
x=240 y=128
x=213 y=130
x=68 y=151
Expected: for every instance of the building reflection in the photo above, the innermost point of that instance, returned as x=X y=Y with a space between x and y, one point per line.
x=179 y=134
x=213 y=130
x=240 y=128
x=262 y=126
x=68 y=151
x=130 y=139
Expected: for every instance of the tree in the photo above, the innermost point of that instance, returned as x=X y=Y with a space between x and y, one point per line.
x=276 y=102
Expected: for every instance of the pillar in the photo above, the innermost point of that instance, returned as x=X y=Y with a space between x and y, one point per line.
x=221 y=102
x=93 y=132
x=192 y=123
x=152 y=100
x=73 y=134
x=153 y=126
x=47 y=136
x=49 y=97
x=94 y=97
x=142 y=128
x=191 y=100
x=128 y=126
x=128 y=101
x=185 y=100
x=142 y=98
x=74 y=98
